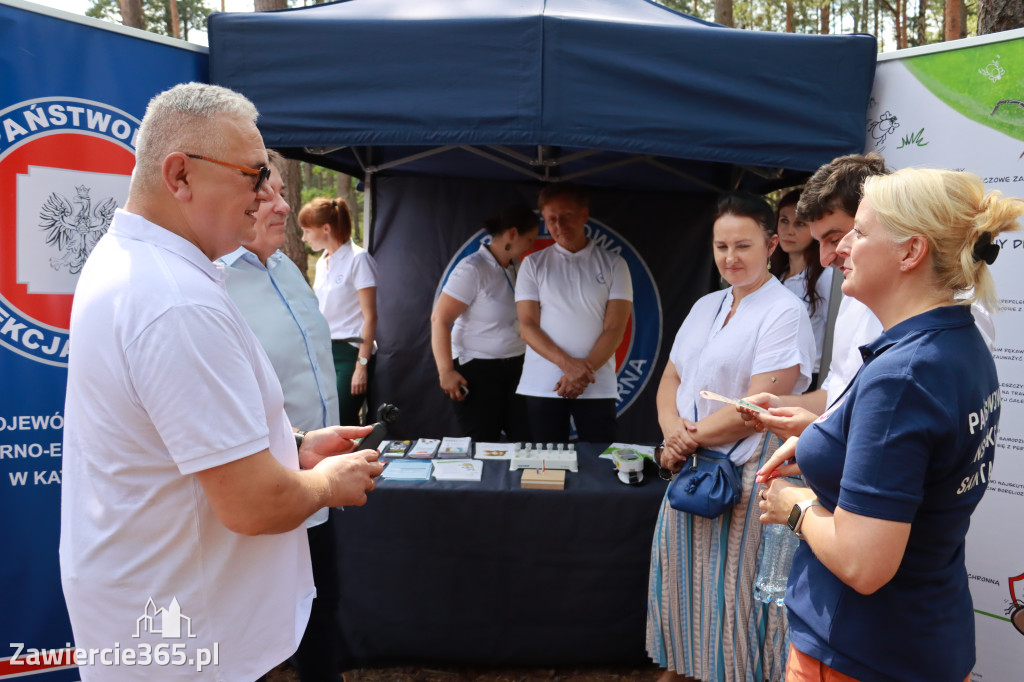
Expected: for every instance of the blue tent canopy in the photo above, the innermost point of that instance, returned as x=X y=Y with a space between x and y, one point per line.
x=609 y=92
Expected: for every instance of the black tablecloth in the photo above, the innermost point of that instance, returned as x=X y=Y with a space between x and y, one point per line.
x=488 y=573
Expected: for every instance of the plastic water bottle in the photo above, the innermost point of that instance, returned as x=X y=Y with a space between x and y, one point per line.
x=779 y=546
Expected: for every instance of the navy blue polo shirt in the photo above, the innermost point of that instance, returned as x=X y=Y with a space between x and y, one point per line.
x=912 y=440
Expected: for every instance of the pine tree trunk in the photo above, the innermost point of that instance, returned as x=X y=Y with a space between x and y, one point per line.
x=175 y=22
x=999 y=15
x=825 y=19
x=294 y=247
x=789 y=16
x=922 y=25
x=131 y=14
x=723 y=12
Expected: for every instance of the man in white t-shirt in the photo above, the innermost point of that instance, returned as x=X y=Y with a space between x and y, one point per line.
x=183 y=502
x=573 y=300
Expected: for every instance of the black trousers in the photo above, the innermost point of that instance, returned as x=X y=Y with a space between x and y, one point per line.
x=492 y=407
x=548 y=419
x=318 y=658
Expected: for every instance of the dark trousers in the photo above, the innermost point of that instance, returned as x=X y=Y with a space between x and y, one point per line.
x=345 y=358
x=318 y=658
x=548 y=419
x=492 y=406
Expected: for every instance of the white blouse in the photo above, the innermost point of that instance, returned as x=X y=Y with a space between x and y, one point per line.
x=338 y=279
x=770 y=331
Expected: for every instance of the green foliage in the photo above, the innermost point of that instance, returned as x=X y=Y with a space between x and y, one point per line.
x=192 y=14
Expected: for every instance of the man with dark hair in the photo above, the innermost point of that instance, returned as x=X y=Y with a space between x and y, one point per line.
x=573 y=300
x=828 y=205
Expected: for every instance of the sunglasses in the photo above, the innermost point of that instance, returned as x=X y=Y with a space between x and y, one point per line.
x=262 y=174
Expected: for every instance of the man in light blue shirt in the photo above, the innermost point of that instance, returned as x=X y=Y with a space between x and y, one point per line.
x=281 y=308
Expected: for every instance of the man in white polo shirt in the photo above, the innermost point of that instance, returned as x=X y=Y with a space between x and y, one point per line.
x=183 y=501
x=573 y=300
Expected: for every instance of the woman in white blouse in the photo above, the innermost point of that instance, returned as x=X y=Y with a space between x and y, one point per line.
x=797 y=263
x=346 y=288
x=702 y=619
x=475 y=320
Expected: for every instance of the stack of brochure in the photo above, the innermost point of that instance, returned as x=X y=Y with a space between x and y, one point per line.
x=424 y=448
x=454 y=448
x=458 y=469
x=495 y=450
x=395 y=448
x=407 y=470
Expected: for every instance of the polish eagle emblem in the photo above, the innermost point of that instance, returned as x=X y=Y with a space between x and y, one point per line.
x=74 y=226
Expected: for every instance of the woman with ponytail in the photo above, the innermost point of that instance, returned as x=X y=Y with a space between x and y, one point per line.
x=475 y=320
x=346 y=288
x=898 y=463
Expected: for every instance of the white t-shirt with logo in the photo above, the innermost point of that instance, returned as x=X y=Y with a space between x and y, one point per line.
x=166 y=379
x=573 y=290
x=488 y=328
x=337 y=281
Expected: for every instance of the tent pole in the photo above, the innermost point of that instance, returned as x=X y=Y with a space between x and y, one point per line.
x=368 y=208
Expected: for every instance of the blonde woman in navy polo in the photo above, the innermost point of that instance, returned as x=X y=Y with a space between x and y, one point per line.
x=895 y=467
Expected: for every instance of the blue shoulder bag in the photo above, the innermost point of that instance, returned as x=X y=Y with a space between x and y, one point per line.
x=708 y=483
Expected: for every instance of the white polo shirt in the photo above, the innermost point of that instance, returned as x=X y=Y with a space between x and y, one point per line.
x=165 y=379
x=337 y=281
x=488 y=328
x=573 y=290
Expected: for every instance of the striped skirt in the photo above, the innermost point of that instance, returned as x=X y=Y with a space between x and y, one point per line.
x=702 y=618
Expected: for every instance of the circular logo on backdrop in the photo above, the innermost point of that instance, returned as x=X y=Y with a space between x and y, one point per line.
x=635 y=356
x=65 y=166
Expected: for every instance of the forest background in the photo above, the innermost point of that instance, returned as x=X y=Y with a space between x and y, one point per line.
x=896 y=24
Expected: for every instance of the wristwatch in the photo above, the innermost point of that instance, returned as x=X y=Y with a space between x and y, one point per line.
x=796 y=516
x=364 y=361
x=299 y=435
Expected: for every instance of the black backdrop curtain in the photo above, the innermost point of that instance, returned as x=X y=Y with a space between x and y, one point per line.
x=422 y=222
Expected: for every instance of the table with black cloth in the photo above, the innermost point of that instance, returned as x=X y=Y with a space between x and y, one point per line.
x=489 y=573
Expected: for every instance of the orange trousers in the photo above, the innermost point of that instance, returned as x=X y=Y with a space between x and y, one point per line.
x=804 y=668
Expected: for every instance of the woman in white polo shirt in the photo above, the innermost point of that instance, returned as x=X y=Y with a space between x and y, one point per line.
x=475 y=319
x=346 y=288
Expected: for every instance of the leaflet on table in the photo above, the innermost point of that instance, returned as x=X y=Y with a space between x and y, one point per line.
x=408 y=470
x=424 y=448
x=458 y=469
x=395 y=448
x=454 y=448
x=642 y=450
x=494 y=450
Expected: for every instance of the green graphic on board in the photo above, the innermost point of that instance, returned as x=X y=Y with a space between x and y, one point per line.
x=975 y=81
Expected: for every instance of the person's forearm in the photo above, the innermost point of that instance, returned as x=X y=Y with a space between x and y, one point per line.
x=368 y=335
x=441 y=346
x=537 y=339
x=604 y=348
x=723 y=426
x=812 y=402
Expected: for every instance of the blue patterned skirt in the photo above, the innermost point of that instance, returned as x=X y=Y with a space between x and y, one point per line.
x=702 y=618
